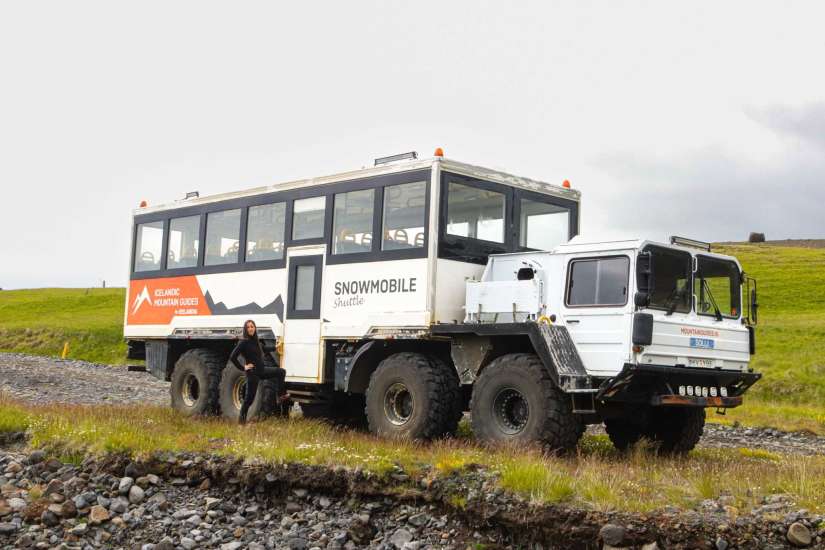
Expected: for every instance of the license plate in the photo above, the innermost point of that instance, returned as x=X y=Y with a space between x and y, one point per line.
x=693 y=362
x=703 y=343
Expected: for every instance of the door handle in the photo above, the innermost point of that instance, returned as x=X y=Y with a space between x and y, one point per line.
x=572 y=321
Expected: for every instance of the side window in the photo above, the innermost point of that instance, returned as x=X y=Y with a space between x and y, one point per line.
x=598 y=282
x=148 y=246
x=222 y=237
x=475 y=213
x=304 y=287
x=308 y=218
x=184 y=234
x=543 y=226
x=403 y=216
x=265 y=232
x=352 y=222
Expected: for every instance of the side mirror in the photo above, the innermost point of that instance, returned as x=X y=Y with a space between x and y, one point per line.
x=754 y=306
x=641 y=299
x=644 y=279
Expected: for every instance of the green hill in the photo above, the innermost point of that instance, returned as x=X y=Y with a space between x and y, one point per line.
x=790 y=336
x=40 y=321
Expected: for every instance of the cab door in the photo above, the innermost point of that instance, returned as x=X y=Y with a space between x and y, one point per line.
x=302 y=357
x=597 y=312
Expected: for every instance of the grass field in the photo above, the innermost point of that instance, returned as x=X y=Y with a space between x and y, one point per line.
x=790 y=335
x=40 y=321
x=597 y=478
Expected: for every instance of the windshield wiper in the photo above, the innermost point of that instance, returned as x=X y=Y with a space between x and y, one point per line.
x=672 y=301
x=716 y=309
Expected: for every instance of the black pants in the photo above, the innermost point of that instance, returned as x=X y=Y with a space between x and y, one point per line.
x=253 y=378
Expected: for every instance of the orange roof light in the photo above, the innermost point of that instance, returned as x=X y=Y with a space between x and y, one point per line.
x=566 y=184
x=439 y=152
x=144 y=204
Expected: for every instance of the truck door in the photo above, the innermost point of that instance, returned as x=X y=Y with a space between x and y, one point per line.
x=596 y=311
x=302 y=356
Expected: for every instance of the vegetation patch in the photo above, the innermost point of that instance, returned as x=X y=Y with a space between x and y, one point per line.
x=598 y=478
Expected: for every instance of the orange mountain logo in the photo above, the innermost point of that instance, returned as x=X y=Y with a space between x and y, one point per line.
x=158 y=301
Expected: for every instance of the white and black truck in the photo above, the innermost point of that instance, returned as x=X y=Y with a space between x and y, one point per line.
x=402 y=295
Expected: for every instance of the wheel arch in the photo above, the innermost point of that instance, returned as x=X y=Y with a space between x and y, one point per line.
x=370 y=353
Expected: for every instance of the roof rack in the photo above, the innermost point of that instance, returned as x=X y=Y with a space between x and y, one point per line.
x=690 y=243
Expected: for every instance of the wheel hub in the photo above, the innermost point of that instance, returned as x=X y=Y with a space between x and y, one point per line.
x=398 y=404
x=511 y=411
x=238 y=392
x=190 y=390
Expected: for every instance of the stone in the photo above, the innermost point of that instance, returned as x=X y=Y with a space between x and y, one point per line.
x=153 y=479
x=67 y=509
x=721 y=544
x=13 y=468
x=297 y=543
x=612 y=534
x=54 y=486
x=5 y=509
x=292 y=507
x=213 y=503
x=136 y=494
x=235 y=545
x=183 y=514
x=124 y=485
x=187 y=543
x=79 y=529
x=651 y=546
x=119 y=505
x=324 y=502
x=133 y=470
x=7 y=528
x=17 y=504
x=49 y=518
x=300 y=493
x=799 y=535
x=419 y=520
x=255 y=546
x=98 y=514
x=36 y=457
x=400 y=538
x=413 y=545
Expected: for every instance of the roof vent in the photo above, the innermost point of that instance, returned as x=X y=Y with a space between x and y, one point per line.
x=191 y=195
x=412 y=155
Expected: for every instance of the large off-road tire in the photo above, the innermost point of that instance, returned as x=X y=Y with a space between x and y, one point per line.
x=233 y=390
x=196 y=381
x=515 y=401
x=671 y=430
x=410 y=396
x=341 y=410
x=457 y=398
x=624 y=432
x=677 y=430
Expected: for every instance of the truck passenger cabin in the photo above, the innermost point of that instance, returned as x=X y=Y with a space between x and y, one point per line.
x=404 y=294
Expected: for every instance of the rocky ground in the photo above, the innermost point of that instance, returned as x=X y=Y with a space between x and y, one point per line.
x=48 y=379
x=184 y=502
x=45 y=379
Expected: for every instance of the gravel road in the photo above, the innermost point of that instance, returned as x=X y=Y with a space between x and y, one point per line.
x=46 y=379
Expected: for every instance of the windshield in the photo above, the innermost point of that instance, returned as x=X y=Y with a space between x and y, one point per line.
x=717 y=287
x=671 y=280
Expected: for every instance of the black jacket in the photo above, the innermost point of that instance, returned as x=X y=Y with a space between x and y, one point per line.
x=251 y=352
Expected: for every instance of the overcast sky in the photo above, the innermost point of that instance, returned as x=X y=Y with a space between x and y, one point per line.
x=690 y=118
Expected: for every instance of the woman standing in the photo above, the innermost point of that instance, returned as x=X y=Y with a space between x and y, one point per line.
x=253 y=354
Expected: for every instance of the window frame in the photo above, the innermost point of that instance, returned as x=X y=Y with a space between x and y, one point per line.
x=695 y=297
x=163 y=247
x=317 y=261
x=471 y=250
x=242 y=260
x=377 y=182
x=572 y=208
x=569 y=276
x=167 y=235
x=206 y=234
x=689 y=278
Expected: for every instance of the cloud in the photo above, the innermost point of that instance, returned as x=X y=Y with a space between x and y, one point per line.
x=805 y=123
x=712 y=194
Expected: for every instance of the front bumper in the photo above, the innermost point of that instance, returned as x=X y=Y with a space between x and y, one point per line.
x=658 y=385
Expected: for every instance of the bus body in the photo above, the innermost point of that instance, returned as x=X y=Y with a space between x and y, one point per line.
x=368 y=287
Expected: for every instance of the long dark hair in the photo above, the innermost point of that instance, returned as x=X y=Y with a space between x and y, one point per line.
x=246 y=334
x=254 y=337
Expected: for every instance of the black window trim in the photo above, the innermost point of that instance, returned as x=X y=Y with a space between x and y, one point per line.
x=205 y=232
x=689 y=275
x=693 y=287
x=316 y=260
x=167 y=234
x=287 y=196
x=591 y=259
x=471 y=250
x=522 y=194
